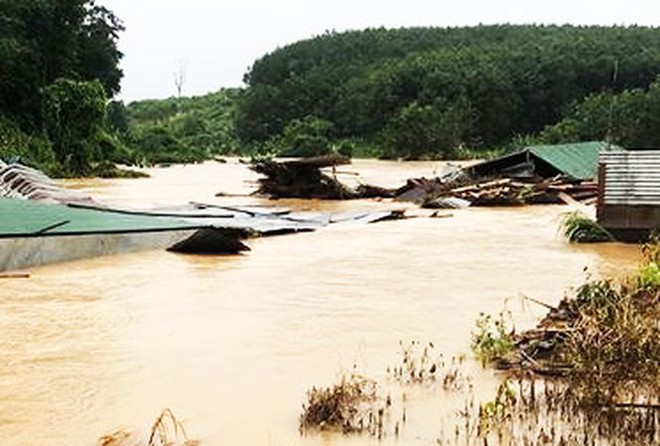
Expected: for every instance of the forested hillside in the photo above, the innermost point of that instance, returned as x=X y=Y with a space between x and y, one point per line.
x=404 y=93
x=58 y=65
x=187 y=129
x=430 y=92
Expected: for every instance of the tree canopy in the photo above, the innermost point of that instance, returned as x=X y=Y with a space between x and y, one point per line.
x=401 y=93
x=44 y=42
x=185 y=129
x=426 y=91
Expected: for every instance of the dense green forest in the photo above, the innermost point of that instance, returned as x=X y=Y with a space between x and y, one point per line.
x=403 y=93
x=58 y=65
x=187 y=129
x=431 y=92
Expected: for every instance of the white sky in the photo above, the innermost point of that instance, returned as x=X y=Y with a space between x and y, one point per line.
x=217 y=40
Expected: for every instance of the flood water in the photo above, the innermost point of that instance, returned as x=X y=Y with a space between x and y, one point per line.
x=231 y=344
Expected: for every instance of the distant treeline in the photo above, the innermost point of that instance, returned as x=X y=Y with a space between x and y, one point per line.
x=179 y=130
x=431 y=92
x=405 y=93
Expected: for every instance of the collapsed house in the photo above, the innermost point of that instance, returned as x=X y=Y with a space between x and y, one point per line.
x=575 y=161
x=629 y=193
x=564 y=173
x=42 y=222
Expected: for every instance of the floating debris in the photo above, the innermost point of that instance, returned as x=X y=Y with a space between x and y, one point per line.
x=303 y=178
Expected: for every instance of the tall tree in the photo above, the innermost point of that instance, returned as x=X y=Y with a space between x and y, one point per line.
x=42 y=41
x=74 y=114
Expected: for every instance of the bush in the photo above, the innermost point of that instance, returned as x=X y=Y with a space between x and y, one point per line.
x=306 y=137
x=578 y=228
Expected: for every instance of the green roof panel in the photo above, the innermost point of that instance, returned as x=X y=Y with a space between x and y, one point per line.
x=29 y=218
x=577 y=160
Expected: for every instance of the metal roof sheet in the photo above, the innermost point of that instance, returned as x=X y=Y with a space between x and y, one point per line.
x=577 y=160
x=631 y=177
x=29 y=218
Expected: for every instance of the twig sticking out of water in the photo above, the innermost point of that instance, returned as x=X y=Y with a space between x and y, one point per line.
x=168 y=431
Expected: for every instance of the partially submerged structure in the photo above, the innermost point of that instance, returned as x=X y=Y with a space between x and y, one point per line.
x=575 y=161
x=33 y=233
x=563 y=173
x=42 y=222
x=301 y=178
x=629 y=193
x=19 y=181
x=305 y=178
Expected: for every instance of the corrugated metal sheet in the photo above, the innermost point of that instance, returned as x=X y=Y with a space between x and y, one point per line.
x=18 y=181
x=631 y=177
x=25 y=218
x=577 y=160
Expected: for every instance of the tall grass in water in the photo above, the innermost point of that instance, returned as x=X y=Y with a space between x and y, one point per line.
x=603 y=343
x=530 y=411
x=351 y=406
x=357 y=405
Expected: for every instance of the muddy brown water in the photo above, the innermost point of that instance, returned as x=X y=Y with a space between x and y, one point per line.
x=231 y=344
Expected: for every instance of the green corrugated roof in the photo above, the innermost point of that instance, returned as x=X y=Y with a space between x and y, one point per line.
x=22 y=217
x=577 y=160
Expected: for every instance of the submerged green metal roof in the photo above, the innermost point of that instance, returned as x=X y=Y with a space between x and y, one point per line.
x=577 y=160
x=30 y=218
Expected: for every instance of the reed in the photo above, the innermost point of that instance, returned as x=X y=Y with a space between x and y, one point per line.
x=421 y=363
x=350 y=406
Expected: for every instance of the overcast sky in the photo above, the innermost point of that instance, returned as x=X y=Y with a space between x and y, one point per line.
x=215 y=41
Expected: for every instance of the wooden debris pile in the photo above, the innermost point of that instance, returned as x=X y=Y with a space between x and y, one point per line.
x=461 y=192
x=303 y=178
x=607 y=329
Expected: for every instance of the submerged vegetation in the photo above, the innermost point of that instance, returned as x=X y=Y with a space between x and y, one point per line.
x=546 y=412
x=601 y=351
x=578 y=228
x=588 y=374
x=492 y=339
x=351 y=406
